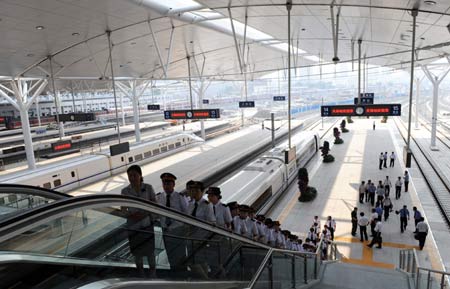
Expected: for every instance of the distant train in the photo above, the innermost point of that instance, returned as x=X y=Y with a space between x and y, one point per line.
x=85 y=170
x=268 y=176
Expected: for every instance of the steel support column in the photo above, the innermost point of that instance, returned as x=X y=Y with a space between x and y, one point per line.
x=359 y=71
x=113 y=82
x=418 y=80
x=57 y=102
x=414 y=13
x=289 y=8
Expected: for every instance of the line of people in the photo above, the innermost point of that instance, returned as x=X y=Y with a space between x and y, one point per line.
x=383 y=160
x=368 y=191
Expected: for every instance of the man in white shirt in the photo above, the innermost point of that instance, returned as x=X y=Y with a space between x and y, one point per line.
x=239 y=226
x=199 y=207
x=221 y=212
x=363 y=222
x=331 y=224
x=270 y=236
x=252 y=230
x=392 y=158
x=377 y=239
x=262 y=228
x=373 y=219
x=422 y=232
x=279 y=238
x=387 y=186
x=398 y=188
x=381 y=158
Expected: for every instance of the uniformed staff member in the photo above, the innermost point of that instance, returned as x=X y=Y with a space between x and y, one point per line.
x=141 y=238
x=270 y=237
x=279 y=239
x=262 y=228
x=252 y=230
x=238 y=223
x=422 y=232
x=173 y=230
x=221 y=212
x=199 y=207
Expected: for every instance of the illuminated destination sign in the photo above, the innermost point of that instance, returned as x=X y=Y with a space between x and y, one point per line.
x=153 y=107
x=279 y=98
x=61 y=146
x=76 y=117
x=192 y=114
x=361 y=110
x=244 y=104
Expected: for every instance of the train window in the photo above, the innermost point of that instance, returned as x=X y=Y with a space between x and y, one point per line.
x=171 y=146
x=72 y=173
x=155 y=151
x=178 y=144
x=130 y=159
x=122 y=159
x=57 y=182
x=147 y=154
x=47 y=186
x=164 y=149
x=183 y=139
x=138 y=157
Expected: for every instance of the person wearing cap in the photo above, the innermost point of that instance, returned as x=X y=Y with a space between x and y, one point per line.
x=262 y=228
x=175 y=246
x=169 y=197
x=316 y=220
x=221 y=212
x=252 y=230
x=239 y=226
x=331 y=223
x=279 y=239
x=141 y=238
x=270 y=237
x=199 y=207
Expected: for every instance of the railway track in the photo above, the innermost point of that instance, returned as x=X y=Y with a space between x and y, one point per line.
x=439 y=186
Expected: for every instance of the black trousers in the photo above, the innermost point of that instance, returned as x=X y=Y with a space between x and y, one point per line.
x=377 y=239
x=398 y=192
x=387 y=190
x=361 y=198
x=386 y=212
x=403 y=223
x=406 y=186
x=422 y=238
x=366 y=194
x=354 y=227
x=363 y=233
x=372 y=228
x=381 y=164
x=391 y=163
x=372 y=198
x=385 y=163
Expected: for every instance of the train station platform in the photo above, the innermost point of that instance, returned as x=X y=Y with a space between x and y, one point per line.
x=337 y=184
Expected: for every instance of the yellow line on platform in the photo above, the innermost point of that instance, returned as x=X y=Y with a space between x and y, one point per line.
x=368 y=263
x=286 y=210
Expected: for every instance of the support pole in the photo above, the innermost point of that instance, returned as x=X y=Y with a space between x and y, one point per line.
x=27 y=136
x=418 y=81
x=38 y=111
x=122 y=112
x=434 y=114
x=52 y=79
x=108 y=33
x=289 y=8
x=359 y=71
x=73 y=97
x=235 y=39
x=135 y=100
x=190 y=84
x=364 y=75
x=414 y=13
x=272 y=130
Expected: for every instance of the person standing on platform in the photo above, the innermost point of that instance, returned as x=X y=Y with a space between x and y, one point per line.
x=380 y=191
x=406 y=180
x=362 y=190
x=404 y=217
x=385 y=157
x=140 y=229
x=354 y=216
x=417 y=216
x=221 y=212
x=372 y=191
x=373 y=221
x=199 y=207
x=377 y=238
x=316 y=220
x=175 y=247
x=331 y=223
x=387 y=204
x=363 y=222
x=381 y=159
x=422 y=232
x=398 y=188
x=373 y=125
x=387 y=186
x=366 y=193
x=392 y=158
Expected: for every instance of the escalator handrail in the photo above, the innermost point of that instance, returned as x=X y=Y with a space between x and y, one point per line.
x=25 y=221
x=37 y=191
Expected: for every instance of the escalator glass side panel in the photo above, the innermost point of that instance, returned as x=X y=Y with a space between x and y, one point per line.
x=95 y=242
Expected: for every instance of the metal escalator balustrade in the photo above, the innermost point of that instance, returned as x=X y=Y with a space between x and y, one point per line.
x=82 y=240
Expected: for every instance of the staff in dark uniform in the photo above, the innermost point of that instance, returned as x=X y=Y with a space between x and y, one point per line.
x=141 y=238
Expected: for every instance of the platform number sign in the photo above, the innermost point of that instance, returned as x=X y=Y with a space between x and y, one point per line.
x=245 y=104
x=396 y=109
x=205 y=101
x=367 y=94
x=153 y=107
x=279 y=98
x=364 y=100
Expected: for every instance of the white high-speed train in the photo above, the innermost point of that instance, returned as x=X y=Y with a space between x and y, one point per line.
x=268 y=176
x=84 y=170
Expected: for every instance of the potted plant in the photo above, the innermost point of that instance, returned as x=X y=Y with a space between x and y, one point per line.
x=325 y=149
x=337 y=136
x=307 y=193
x=349 y=119
x=343 y=129
x=384 y=119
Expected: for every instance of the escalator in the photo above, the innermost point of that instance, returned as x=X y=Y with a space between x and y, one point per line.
x=84 y=242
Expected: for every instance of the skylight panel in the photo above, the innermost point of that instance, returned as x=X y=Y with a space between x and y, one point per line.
x=252 y=33
x=312 y=58
x=284 y=47
x=207 y=14
x=173 y=5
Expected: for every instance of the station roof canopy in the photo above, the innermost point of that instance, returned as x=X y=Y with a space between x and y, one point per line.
x=153 y=38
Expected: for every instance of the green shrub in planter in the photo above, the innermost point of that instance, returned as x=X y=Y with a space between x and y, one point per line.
x=328 y=159
x=349 y=119
x=309 y=195
x=338 y=141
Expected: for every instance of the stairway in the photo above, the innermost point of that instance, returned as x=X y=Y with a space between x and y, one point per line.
x=349 y=276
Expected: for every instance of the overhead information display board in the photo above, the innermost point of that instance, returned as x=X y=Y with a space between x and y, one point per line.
x=367 y=94
x=120 y=148
x=279 y=98
x=153 y=107
x=361 y=110
x=76 y=117
x=364 y=100
x=192 y=114
x=244 y=104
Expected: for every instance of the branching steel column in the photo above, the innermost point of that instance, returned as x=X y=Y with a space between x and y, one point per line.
x=359 y=71
x=289 y=8
x=157 y=48
x=57 y=107
x=108 y=33
x=235 y=40
x=411 y=81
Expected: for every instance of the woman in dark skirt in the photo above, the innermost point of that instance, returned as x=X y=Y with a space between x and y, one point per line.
x=139 y=223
